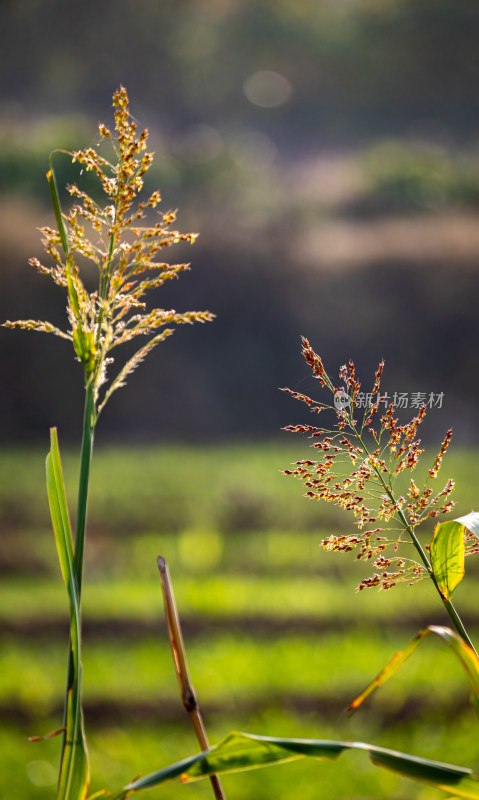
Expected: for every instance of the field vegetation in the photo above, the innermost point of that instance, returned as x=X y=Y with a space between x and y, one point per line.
x=278 y=642
x=328 y=155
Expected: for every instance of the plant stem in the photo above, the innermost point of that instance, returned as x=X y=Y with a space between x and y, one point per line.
x=458 y=624
x=454 y=616
x=188 y=694
x=85 y=461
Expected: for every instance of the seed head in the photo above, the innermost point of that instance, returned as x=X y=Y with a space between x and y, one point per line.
x=125 y=252
x=357 y=468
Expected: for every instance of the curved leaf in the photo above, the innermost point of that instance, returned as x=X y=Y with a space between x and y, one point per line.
x=464 y=653
x=447 y=556
x=244 y=751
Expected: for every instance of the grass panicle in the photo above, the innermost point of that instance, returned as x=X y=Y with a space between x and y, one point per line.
x=361 y=459
x=124 y=246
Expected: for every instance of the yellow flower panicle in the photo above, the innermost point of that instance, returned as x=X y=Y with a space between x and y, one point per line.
x=357 y=471
x=126 y=251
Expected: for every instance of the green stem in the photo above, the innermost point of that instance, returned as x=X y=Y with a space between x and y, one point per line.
x=85 y=460
x=104 y=279
x=89 y=420
x=458 y=624
x=454 y=616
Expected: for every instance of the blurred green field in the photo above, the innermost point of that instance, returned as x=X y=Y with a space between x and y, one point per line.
x=278 y=640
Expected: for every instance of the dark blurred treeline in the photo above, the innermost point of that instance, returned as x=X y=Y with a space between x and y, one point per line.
x=357 y=66
x=328 y=154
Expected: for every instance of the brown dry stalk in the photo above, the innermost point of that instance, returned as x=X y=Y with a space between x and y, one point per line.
x=188 y=694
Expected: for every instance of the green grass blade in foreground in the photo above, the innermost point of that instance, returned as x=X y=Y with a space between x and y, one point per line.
x=464 y=653
x=74 y=769
x=243 y=751
x=447 y=556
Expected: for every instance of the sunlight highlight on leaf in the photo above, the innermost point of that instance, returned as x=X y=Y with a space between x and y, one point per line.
x=447 y=556
x=245 y=751
x=464 y=653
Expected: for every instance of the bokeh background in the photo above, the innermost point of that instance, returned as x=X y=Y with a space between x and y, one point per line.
x=328 y=153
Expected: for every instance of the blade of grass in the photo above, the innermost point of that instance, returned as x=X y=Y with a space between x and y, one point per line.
x=63 y=235
x=83 y=340
x=244 y=751
x=464 y=653
x=74 y=768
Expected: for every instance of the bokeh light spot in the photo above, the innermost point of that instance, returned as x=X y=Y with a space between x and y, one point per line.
x=41 y=773
x=267 y=89
x=253 y=150
x=198 y=144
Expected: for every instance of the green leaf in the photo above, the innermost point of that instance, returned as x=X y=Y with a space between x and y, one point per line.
x=447 y=556
x=244 y=751
x=57 y=207
x=72 y=293
x=74 y=768
x=464 y=653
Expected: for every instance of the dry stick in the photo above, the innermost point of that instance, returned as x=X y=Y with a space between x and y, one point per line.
x=187 y=691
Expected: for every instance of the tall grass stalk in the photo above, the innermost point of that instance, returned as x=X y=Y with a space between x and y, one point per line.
x=188 y=694
x=124 y=240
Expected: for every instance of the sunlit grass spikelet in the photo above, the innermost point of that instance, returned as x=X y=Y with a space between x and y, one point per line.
x=125 y=249
x=360 y=462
